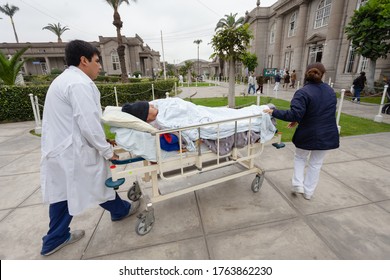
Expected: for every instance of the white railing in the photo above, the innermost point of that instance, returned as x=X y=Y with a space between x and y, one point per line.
x=37 y=114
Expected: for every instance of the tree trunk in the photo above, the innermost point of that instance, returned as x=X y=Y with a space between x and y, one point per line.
x=371 y=76
x=232 y=84
x=13 y=26
x=121 y=48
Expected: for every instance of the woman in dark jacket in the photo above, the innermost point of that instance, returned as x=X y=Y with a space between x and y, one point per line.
x=358 y=86
x=313 y=108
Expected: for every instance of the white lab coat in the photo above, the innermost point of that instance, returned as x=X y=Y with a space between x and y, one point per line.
x=74 y=163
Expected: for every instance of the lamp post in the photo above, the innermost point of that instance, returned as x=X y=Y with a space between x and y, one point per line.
x=198 y=43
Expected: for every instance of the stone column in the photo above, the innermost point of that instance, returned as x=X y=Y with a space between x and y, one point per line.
x=299 y=50
x=48 y=66
x=278 y=41
x=333 y=37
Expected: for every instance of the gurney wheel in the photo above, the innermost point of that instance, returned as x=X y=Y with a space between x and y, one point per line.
x=143 y=227
x=134 y=193
x=257 y=182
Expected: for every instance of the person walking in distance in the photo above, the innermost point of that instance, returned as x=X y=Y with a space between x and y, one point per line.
x=260 y=83
x=358 y=86
x=313 y=109
x=286 y=81
x=75 y=152
x=293 y=79
x=251 y=84
x=277 y=81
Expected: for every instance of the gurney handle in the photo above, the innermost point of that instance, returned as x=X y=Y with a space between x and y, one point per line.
x=127 y=161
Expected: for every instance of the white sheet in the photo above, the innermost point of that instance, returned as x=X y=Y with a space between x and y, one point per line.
x=177 y=113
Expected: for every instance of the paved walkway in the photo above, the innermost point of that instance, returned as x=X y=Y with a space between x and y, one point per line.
x=349 y=217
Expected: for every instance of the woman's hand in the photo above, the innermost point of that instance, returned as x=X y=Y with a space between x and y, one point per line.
x=292 y=124
x=268 y=111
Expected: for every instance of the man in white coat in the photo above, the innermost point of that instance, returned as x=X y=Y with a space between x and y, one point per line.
x=75 y=153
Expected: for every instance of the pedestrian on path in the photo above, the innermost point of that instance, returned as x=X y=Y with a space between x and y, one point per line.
x=313 y=109
x=293 y=79
x=277 y=81
x=260 y=83
x=75 y=153
x=358 y=86
x=286 y=81
x=251 y=84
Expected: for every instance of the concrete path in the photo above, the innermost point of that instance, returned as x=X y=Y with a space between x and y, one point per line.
x=349 y=217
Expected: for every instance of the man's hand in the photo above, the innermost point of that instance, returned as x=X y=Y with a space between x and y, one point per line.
x=268 y=111
x=112 y=142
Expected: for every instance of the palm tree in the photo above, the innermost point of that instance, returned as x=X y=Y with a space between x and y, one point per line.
x=118 y=24
x=229 y=43
x=56 y=29
x=10 y=11
x=9 y=68
x=198 y=43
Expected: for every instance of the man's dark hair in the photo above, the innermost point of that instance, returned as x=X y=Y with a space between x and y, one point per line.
x=75 y=49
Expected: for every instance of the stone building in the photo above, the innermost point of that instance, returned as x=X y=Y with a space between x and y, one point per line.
x=45 y=57
x=292 y=34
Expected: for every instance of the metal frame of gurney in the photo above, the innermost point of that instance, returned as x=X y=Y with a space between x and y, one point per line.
x=187 y=164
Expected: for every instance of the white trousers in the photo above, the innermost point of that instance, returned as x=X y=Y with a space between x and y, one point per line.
x=276 y=87
x=314 y=164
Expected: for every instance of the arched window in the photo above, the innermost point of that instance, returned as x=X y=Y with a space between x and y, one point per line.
x=272 y=34
x=115 y=60
x=322 y=14
x=292 y=25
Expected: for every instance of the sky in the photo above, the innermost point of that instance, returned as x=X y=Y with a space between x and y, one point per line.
x=178 y=22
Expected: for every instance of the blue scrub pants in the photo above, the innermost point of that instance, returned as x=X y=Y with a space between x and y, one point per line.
x=59 y=230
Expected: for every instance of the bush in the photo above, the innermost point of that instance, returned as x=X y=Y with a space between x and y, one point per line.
x=15 y=101
x=56 y=71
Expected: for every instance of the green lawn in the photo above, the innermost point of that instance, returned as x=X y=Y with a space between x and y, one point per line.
x=350 y=125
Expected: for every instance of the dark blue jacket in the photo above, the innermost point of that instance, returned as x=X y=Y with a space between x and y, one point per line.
x=314 y=108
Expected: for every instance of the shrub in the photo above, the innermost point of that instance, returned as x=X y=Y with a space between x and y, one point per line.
x=15 y=101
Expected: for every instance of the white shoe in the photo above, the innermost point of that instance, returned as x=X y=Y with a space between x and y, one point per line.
x=297 y=189
x=75 y=236
x=307 y=196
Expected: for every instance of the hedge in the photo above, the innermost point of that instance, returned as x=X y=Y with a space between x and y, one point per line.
x=15 y=101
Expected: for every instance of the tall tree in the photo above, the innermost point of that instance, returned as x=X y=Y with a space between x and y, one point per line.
x=9 y=68
x=56 y=29
x=10 y=11
x=369 y=33
x=118 y=24
x=198 y=43
x=250 y=61
x=230 y=43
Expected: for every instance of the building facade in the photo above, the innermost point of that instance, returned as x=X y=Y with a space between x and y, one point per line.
x=43 y=58
x=292 y=34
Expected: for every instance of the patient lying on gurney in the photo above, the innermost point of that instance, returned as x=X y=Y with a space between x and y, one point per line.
x=174 y=113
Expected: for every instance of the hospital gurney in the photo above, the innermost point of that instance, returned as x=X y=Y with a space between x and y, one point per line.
x=184 y=164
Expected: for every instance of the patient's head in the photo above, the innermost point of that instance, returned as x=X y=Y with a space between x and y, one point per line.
x=142 y=110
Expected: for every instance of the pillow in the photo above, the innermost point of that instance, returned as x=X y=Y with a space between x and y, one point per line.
x=114 y=116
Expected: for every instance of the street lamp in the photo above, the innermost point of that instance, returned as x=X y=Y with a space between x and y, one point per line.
x=198 y=43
